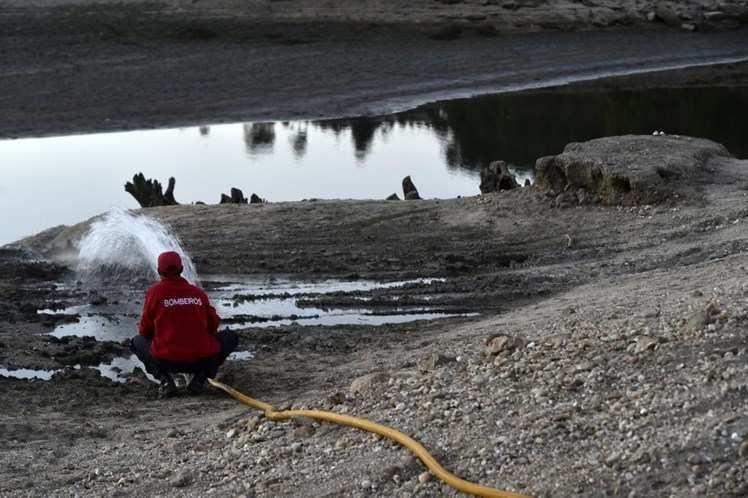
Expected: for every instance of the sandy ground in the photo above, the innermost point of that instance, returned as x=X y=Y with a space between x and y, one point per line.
x=624 y=374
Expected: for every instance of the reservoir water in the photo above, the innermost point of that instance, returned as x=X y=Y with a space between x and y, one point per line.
x=64 y=180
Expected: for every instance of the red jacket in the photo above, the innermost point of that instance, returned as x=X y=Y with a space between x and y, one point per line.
x=181 y=321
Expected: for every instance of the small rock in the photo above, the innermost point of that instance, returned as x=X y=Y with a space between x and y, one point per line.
x=98 y=300
x=434 y=361
x=743 y=450
x=392 y=197
x=645 y=344
x=369 y=382
x=687 y=26
x=303 y=432
x=424 y=477
x=181 y=480
x=651 y=16
x=253 y=423
x=501 y=343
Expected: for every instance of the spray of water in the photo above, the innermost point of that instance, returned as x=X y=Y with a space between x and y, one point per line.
x=124 y=246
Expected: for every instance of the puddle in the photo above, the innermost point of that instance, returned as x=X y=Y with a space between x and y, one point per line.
x=27 y=373
x=245 y=302
x=117 y=370
x=352 y=317
x=241 y=356
x=120 y=368
x=280 y=287
x=242 y=303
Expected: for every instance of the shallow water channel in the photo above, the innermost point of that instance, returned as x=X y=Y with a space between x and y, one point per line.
x=112 y=313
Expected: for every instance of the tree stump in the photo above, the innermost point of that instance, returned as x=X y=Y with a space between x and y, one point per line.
x=409 y=189
x=237 y=197
x=496 y=176
x=149 y=193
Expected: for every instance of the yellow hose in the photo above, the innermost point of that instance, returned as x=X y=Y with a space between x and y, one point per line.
x=366 y=425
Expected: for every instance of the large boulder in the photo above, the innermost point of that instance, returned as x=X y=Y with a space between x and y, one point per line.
x=628 y=169
x=496 y=176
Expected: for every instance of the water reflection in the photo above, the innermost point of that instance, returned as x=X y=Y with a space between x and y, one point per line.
x=298 y=143
x=259 y=138
x=521 y=127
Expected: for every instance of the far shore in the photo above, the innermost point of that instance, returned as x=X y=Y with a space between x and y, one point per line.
x=111 y=66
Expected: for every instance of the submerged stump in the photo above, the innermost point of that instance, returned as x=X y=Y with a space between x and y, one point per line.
x=149 y=192
x=409 y=189
x=496 y=176
x=236 y=197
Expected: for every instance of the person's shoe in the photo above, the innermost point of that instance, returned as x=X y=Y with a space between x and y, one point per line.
x=167 y=388
x=182 y=380
x=197 y=384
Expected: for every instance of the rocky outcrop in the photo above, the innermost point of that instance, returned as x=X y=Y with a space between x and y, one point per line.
x=409 y=189
x=256 y=199
x=149 y=193
x=392 y=197
x=496 y=176
x=628 y=169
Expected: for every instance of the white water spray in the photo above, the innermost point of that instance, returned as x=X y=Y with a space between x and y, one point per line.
x=122 y=245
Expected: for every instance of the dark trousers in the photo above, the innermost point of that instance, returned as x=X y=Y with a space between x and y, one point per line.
x=208 y=367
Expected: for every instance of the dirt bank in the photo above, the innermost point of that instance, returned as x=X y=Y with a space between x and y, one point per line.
x=125 y=65
x=626 y=374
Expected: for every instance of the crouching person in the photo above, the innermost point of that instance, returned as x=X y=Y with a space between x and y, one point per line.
x=178 y=331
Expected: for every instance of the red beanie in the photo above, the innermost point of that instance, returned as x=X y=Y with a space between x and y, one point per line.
x=169 y=263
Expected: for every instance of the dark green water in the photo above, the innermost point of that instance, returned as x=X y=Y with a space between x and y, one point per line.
x=520 y=127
